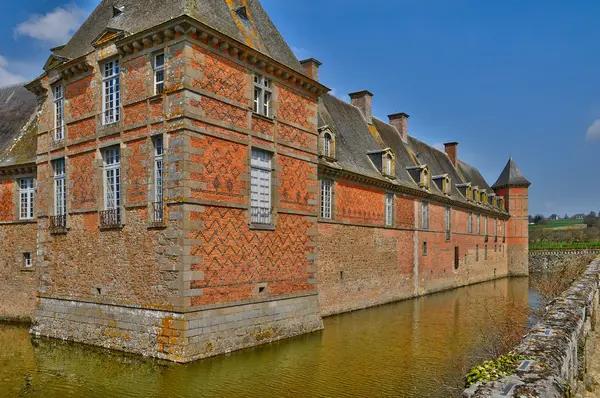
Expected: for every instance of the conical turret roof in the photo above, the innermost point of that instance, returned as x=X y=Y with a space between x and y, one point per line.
x=510 y=176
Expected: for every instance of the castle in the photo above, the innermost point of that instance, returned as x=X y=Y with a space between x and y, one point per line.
x=177 y=184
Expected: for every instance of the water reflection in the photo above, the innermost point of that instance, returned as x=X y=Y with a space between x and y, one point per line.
x=413 y=348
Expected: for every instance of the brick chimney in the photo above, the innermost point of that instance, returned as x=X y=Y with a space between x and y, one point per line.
x=363 y=100
x=311 y=67
x=400 y=122
x=452 y=152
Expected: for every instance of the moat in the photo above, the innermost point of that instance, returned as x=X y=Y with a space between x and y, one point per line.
x=414 y=348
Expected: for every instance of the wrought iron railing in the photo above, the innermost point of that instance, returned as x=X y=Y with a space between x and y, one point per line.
x=487 y=238
x=158 y=212
x=260 y=215
x=58 y=223
x=110 y=218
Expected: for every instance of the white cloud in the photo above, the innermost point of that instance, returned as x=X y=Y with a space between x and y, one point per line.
x=7 y=78
x=55 y=27
x=593 y=132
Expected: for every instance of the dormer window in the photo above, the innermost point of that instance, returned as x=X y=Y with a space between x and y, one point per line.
x=443 y=183
x=326 y=143
x=484 y=197
x=500 y=202
x=385 y=162
x=262 y=96
x=466 y=190
x=421 y=175
x=476 y=194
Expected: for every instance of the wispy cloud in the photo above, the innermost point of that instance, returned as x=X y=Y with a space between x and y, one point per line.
x=593 y=132
x=55 y=27
x=8 y=78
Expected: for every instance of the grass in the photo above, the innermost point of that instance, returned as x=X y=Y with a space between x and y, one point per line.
x=564 y=245
x=556 y=224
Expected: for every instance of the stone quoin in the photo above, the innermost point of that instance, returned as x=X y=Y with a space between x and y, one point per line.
x=177 y=184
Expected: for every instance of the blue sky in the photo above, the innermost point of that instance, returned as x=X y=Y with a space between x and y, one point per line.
x=502 y=77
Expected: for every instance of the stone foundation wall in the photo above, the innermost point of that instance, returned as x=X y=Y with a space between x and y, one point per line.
x=180 y=337
x=557 y=260
x=18 y=284
x=556 y=345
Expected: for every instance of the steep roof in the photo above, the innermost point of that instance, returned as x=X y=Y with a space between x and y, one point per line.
x=355 y=139
x=511 y=175
x=253 y=28
x=18 y=135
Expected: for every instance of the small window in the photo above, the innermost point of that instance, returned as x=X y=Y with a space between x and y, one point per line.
x=387 y=164
x=111 y=92
x=159 y=73
x=389 y=209
x=262 y=95
x=425 y=215
x=485 y=253
x=456 y=257
x=158 y=179
x=27 y=262
x=425 y=248
x=326 y=199
x=260 y=186
x=478 y=225
x=448 y=222
x=59 y=113
x=327 y=144
x=26 y=198
x=476 y=252
x=425 y=178
x=470 y=223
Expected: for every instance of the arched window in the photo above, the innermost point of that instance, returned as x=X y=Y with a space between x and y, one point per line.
x=425 y=178
x=387 y=164
x=327 y=144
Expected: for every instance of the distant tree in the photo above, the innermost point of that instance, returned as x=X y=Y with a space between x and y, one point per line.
x=592 y=214
x=530 y=219
x=566 y=216
x=538 y=219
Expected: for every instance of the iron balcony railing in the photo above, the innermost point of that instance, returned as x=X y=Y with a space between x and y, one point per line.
x=158 y=212
x=110 y=218
x=260 y=215
x=58 y=223
x=486 y=238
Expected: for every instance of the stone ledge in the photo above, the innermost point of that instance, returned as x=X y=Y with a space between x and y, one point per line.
x=555 y=344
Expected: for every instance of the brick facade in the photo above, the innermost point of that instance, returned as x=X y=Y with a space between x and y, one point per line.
x=193 y=275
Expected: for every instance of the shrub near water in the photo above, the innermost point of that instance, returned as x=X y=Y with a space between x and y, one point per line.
x=494 y=369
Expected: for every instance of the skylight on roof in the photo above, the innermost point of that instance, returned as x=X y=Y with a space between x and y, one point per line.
x=118 y=11
x=242 y=13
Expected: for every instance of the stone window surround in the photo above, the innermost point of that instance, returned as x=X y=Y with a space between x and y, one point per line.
x=323 y=132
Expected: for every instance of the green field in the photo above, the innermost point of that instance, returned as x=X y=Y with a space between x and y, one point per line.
x=563 y=245
x=557 y=224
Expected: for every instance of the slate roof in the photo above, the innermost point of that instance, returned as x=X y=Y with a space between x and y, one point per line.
x=355 y=138
x=18 y=126
x=257 y=31
x=511 y=175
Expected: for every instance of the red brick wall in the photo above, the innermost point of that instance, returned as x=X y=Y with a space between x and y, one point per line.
x=82 y=192
x=219 y=75
x=235 y=259
x=358 y=204
x=7 y=199
x=137 y=171
x=297 y=184
x=80 y=98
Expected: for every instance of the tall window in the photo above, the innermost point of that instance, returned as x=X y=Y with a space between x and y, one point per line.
x=26 y=196
x=425 y=215
x=495 y=228
x=59 y=113
x=112 y=178
x=159 y=151
x=470 y=223
x=260 y=186
x=111 y=92
x=326 y=199
x=327 y=144
x=448 y=222
x=60 y=193
x=485 y=226
x=159 y=73
x=478 y=226
x=262 y=95
x=389 y=209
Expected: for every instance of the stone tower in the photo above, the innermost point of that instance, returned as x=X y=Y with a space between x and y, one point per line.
x=514 y=187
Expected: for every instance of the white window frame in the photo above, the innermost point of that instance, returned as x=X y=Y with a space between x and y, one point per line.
x=112 y=178
x=425 y=215
x=59 y=112
x=27 y=260
x=387 y=164
x=478 y=225
x=260 y=186
x=111 y=92
x=485 y=225
x=327 y=144
x=60 y=191
x=326 y=199
x=495 y=228
x=159 y=73
x=389 y=209
x=263 y=95
x=470 y=224
x=448 y=219
x=26 y=198
x=159 y=168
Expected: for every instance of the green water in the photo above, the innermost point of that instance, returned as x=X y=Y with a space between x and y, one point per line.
x=414 y=348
